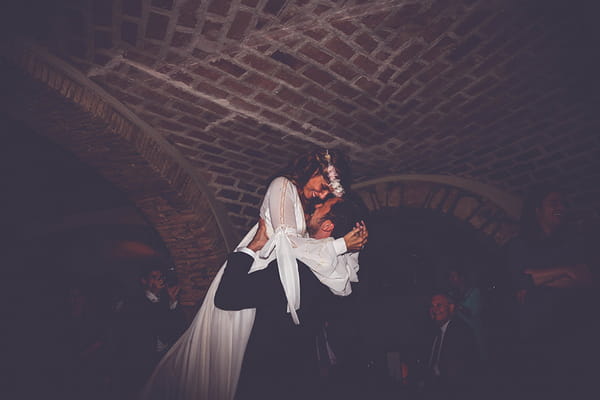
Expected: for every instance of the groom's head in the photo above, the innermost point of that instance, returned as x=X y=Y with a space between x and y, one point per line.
x=335 y=217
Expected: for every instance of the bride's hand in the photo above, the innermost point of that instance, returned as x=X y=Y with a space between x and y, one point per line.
x=357 y=238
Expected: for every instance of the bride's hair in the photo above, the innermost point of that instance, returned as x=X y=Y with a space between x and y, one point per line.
x=315 y=163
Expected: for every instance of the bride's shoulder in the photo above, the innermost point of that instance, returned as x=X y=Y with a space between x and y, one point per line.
x=280 y=181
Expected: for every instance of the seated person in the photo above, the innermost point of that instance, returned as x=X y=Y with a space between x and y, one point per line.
x=280 y=360
x=551 y=266
x=450 y=356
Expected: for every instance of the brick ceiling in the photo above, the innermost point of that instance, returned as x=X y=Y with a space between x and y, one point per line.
x=500 y=92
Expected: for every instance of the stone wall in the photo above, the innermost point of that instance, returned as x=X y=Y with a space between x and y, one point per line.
x=84 y=121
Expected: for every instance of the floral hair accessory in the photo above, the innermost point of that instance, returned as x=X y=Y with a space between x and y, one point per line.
x=334 y=181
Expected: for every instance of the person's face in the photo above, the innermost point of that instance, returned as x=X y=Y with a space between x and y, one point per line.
x=455 y=279
x=154 y=282
x=316 y=219
x=316 y=188
x=552 y=212
x=440 y=309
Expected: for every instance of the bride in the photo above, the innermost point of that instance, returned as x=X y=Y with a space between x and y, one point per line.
x=205 y=363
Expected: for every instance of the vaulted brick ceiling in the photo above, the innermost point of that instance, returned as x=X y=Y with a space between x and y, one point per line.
x=500 y=92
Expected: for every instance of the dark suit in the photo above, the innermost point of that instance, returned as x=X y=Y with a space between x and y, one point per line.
x=458 y=361
x=280 y=359
x=141 y=324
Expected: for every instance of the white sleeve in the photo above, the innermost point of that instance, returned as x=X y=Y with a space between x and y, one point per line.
x=333 y=270
x=286 y=216
x=281 y=203
x=288 y=243
x=323 y=256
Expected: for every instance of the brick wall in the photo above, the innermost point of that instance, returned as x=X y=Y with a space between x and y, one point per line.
x=497 y=91
x=79 y=119
x=500 y=92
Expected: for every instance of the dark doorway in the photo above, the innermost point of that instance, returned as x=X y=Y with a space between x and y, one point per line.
x=410 y=249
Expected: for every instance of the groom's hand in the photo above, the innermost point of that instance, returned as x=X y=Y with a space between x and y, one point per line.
x=260 y=238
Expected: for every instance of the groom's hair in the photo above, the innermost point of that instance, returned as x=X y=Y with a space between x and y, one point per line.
x=345 y=214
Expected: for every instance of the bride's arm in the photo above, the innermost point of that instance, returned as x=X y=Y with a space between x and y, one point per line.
x=283 y=205
x=324 y=256
x=282 y=201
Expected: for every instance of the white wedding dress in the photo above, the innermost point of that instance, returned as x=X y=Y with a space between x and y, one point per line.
x=205 y=363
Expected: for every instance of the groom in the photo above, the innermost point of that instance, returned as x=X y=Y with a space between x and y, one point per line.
x=280 y=359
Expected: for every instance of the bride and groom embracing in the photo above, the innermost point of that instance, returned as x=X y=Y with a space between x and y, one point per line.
x=258 y=315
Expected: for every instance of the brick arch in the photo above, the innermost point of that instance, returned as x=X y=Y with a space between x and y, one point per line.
x=488 y=210
x=59 y=102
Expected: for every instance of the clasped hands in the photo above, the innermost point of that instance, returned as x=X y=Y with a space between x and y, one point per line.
x=357 y=238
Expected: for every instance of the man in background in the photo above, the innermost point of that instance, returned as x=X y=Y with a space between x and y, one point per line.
x=150 y=322
x=453 y=359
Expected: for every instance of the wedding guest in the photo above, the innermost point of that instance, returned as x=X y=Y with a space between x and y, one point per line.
x=150 y=321
x=550 y=266
x=452 y=358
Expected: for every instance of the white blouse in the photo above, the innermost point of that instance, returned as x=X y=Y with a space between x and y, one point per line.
x=288 y=241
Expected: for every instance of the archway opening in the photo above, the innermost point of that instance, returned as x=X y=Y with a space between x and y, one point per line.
x=410 y=249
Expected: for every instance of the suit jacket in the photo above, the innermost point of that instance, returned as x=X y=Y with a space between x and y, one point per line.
x=458 y=357
x=141 y=323
x=280 y=359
